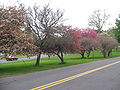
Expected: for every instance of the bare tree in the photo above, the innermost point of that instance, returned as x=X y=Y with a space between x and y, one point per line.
x=41 y=22
x=98 y=20
x=59 y=43
x=88 y=44
x=107 y=44
x=63 y=43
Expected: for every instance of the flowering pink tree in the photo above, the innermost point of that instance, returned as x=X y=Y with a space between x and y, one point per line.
x=88 y=33
x=84 y=40
x=76 y=35
x=12 y=39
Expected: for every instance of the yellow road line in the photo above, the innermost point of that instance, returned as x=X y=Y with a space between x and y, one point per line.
x=71 y=77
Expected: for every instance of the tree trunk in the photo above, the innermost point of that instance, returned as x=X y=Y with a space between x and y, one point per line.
x=116 y=49
x=109 y=52
x=38 y=60
x=61 y=58
x=82 y=53
x=104 y=54
x=49 y=56
x=61 y=54
x=88 y=54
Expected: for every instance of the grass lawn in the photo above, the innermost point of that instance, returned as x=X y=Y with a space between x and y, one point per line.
x=19 y=67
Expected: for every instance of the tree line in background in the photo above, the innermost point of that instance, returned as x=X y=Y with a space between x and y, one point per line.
x=36 y=31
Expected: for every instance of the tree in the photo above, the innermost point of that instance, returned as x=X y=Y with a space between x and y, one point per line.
x=76 y=35
x=88 y=41
x=59 y=43
x=107 y=44
x=84 y=40
x=116 y=30
x=42 y=23
x=89 y=44
x=12 y=39
x=98 y=20
x=63 y=42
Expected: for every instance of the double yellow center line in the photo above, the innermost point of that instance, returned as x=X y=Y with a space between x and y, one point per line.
x=71 y=77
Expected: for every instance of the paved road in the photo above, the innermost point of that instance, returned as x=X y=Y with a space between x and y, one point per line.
x=105 y=78
x=23 y=58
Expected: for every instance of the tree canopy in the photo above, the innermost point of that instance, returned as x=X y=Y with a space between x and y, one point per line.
x=116 y=30
x=98 y=20
x=12 y=38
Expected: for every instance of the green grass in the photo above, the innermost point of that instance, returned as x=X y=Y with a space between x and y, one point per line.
x=13 y=68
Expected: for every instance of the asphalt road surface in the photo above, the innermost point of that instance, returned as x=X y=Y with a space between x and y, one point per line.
x=99 y=75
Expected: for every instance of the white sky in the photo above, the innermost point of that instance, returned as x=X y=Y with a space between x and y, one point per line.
x=77 y=11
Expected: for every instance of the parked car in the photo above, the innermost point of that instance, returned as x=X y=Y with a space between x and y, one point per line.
x=11 y=58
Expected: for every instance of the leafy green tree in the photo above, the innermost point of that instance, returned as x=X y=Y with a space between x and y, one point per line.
x=116 y=30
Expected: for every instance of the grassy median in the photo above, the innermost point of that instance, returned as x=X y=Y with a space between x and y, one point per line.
x=20 y=67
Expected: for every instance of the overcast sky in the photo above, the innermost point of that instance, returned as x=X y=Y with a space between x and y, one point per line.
x=77 y=11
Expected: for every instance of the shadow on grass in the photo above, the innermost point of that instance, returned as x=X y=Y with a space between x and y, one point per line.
x=73 y=58
x=96 y=58
x=85 y=58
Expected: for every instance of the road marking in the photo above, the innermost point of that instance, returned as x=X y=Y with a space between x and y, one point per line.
x=71 y=77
